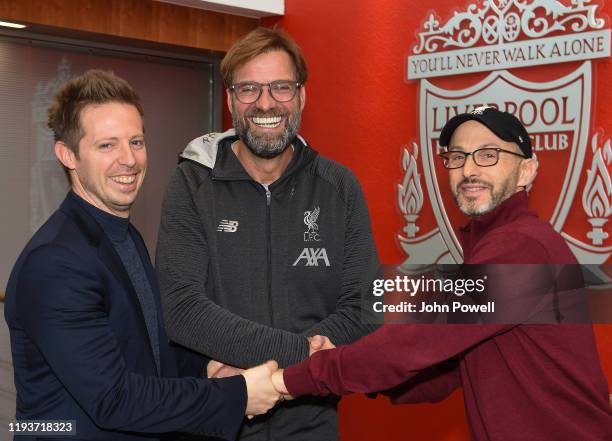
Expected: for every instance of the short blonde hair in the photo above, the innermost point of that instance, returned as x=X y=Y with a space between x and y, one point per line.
x=93 y=87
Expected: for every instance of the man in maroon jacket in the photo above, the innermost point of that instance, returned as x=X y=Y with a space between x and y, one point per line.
x=520 y=381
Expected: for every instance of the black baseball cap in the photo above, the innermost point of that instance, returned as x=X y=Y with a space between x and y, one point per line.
x=503 y=124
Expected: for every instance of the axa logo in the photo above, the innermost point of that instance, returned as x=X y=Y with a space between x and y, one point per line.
x=228 y=226
x=310 y=219
x=312 y=257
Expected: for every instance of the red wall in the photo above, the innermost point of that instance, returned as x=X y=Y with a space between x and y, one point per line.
x=360 y=110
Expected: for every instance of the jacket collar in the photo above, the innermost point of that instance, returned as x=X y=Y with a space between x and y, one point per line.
x=508 y=211
x=214 y=151
x=227 y=166
x=73 y=207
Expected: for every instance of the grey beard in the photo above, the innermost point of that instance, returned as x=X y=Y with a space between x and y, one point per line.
x=263 y=146
x=508 y=189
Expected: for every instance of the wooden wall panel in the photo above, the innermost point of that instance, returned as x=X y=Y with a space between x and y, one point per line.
x=146 y=20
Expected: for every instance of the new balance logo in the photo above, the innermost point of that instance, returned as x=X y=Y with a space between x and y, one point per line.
x=228 y=226
x=312 y=256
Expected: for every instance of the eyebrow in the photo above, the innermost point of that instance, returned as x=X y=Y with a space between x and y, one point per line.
x=114 y=138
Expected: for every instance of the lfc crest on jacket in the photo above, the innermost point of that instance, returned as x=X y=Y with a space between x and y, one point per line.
x=536 y=60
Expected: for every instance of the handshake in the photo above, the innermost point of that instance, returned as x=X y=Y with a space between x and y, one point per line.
x=265 y=384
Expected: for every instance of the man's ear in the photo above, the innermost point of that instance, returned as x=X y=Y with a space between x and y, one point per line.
x=65 y=155
x=527 y=172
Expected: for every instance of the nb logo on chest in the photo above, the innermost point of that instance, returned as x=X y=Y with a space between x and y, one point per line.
x=312 y=257
x=228 y=226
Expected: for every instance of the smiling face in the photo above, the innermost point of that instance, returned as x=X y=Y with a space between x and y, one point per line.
x=266 y=126
x=112 y=157
x=479 y=190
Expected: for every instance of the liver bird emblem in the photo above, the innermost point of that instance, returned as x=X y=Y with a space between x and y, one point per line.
x=310 y=219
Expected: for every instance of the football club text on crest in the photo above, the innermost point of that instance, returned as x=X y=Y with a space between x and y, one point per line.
x=556 y=111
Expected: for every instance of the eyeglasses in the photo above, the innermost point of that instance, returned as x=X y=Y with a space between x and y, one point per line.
x=249 y=91
x=485 y=157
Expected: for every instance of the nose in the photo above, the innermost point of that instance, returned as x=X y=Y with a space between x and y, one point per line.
x=265 y=101
x=126 y=155
x=470 y=168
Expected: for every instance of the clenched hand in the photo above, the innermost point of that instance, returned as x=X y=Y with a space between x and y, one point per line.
x=262 y=395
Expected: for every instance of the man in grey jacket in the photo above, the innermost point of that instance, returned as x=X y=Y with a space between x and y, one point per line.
x=263 y=243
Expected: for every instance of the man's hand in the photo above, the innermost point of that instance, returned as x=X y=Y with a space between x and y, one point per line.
x=216 y=369
x=319 y=342
x=262 y=395
x=279 y=384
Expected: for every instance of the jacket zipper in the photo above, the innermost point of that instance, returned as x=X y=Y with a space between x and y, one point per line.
x=269 y=278
x=269 y=254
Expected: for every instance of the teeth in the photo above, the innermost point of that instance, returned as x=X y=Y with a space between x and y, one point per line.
x=271 y=121
x=124 y=179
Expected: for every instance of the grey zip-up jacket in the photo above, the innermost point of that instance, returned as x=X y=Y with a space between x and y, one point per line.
x=247 y=273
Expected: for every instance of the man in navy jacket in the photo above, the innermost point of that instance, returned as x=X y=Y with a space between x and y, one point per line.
x=82 y=304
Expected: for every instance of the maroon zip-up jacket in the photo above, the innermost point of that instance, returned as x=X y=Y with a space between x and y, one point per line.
x=530 y=382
